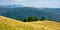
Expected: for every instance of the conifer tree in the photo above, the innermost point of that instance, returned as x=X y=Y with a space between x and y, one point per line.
x=43 y=18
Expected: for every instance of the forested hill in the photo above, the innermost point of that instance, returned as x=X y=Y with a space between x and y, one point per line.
x=23 y=12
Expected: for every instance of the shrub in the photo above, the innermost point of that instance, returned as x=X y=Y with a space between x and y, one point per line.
x=17 y=19
x=30 y=19
x=43 y=18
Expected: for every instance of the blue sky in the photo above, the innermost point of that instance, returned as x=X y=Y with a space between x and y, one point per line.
x=33 y=3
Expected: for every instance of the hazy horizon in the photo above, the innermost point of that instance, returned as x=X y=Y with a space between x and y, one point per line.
x=33 y=3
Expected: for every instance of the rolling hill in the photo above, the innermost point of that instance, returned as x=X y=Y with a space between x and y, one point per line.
x=12 y=24
x=23 y=12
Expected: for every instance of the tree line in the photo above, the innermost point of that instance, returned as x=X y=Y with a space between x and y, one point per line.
x=32 y=18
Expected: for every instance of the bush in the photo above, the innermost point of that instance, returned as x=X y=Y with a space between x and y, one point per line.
x=25 y=20
x=30 y=19
x=17 y=19
x=43 y=18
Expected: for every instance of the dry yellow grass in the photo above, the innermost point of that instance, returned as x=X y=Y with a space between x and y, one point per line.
x=12 y=24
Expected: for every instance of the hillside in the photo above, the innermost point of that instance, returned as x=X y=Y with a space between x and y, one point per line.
x=12 y=24
x=23 y=12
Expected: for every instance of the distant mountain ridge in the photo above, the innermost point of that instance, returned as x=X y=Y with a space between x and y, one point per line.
x=23 y=12
x=11 y=6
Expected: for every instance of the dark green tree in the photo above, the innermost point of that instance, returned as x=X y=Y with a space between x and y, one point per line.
x=30 y=19
x=43 y=18
x=25 y=20
x=37 y=19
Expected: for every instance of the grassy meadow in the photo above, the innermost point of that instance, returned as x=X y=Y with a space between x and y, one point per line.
x=12 y=24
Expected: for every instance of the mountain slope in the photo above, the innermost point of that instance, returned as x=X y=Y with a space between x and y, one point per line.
x=23 y=12
x=11 y=24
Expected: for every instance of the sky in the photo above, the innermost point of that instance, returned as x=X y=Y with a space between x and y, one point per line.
x=33 y=3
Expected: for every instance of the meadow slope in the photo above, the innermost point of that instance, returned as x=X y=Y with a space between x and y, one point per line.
x=12 y=24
